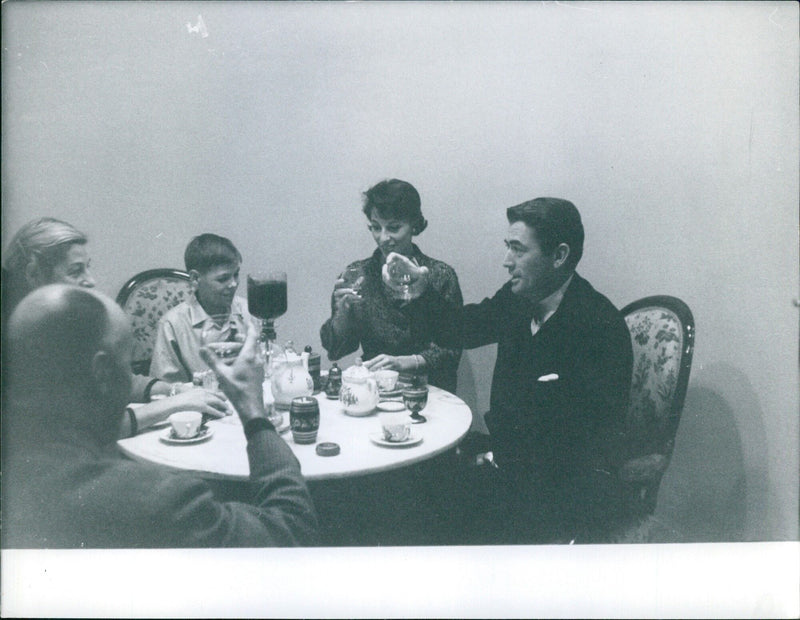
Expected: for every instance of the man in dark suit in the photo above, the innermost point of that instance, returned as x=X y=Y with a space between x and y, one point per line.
x=560 y=387
x=66 y=385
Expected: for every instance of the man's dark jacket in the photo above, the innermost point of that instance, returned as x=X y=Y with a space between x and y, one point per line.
x=558 y=403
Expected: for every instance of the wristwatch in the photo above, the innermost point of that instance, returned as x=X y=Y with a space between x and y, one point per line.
x=256 y=425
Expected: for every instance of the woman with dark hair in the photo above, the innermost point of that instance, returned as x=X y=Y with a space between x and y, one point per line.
x=394 y=333
x=48 y=251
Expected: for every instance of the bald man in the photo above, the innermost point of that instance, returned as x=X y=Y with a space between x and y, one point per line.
x=67 y=384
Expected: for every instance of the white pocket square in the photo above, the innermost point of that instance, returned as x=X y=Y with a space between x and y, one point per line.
x=550 y=377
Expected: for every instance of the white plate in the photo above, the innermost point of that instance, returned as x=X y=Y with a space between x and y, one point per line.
x=167 y=437
x=391 y=405
x=378 y=439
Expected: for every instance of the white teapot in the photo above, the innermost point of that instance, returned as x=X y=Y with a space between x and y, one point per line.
x=359 y=393
x=290 y=377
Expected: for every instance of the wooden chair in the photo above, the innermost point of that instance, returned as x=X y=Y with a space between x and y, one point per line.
x=662 y=334
x=146 y=297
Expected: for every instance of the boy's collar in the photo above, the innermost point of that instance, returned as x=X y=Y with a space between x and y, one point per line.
x=198 y=314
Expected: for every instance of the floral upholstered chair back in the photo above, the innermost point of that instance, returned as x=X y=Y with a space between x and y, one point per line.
x=146 y=298
x=662 y=335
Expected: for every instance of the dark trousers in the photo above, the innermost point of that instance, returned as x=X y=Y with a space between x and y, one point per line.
x=576 y=510
x=442 y=501
x=437 y=502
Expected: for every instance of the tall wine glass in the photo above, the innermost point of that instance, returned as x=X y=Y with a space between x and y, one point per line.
x=266 y=301
x=403 y=277
x=405 y=281
x=415 y=399
x=267 y=298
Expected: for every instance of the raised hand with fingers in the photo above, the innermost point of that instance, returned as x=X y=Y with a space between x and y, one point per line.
x=241 y=381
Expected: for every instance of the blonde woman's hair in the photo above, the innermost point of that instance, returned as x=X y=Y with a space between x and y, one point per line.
x=46 y=241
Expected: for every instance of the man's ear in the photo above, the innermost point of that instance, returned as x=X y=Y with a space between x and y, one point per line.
x=102 y=371
x=194 y=276
x=560 y=255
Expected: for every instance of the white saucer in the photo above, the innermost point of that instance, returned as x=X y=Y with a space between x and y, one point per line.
x=378 y=439
x=167 y=437
x=390 y=393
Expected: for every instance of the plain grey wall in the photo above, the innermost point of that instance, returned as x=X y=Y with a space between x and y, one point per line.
x=672 y=127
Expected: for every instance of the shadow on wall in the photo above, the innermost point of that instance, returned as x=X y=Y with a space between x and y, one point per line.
x=714 y=489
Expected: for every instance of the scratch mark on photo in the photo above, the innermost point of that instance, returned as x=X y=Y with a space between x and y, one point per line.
x=772 y=21
x=199 y=27
x=578 y=8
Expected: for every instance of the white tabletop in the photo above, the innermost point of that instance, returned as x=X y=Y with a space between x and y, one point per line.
x=224 y=456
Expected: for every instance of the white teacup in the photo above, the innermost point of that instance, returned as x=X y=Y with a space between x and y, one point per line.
x=396 y=425
x=386 y=379
x=186 y=424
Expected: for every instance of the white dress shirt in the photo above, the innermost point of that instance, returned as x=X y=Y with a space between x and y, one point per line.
x=548 y=306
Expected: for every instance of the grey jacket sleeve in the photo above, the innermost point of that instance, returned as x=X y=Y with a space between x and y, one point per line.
x=275 y=510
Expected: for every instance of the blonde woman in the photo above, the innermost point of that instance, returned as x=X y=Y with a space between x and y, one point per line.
x=49 y=251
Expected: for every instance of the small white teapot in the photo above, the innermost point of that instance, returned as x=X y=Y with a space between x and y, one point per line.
x=359 y=393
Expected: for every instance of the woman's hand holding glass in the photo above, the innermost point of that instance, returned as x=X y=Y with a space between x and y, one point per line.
x=404 y=277
x=346 y=295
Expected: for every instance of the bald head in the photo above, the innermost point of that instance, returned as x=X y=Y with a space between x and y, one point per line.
x=68 y=343
x=55 y=330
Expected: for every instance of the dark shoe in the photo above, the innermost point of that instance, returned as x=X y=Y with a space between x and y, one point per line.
x=473 y=448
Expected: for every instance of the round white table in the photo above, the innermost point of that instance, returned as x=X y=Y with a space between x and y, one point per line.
x=223 y=456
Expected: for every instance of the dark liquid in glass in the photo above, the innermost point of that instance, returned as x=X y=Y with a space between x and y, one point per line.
x=266 y=300
x=415 y=400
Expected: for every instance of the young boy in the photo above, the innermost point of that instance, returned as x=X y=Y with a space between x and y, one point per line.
x=213 y=264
